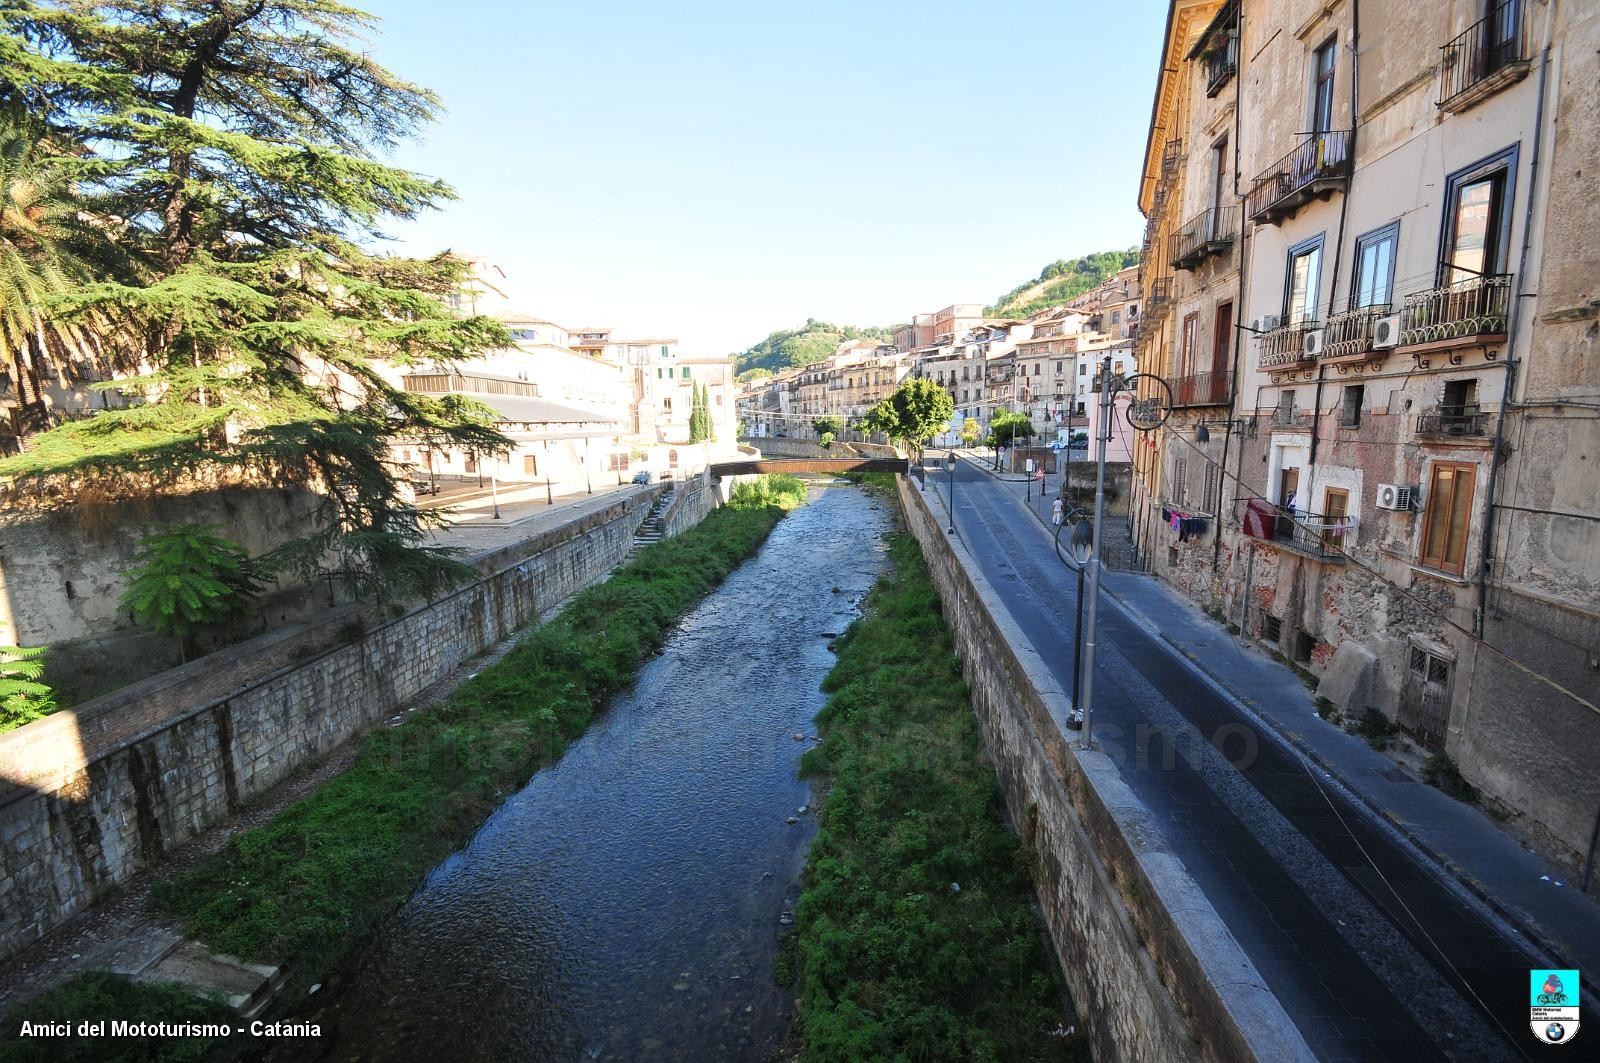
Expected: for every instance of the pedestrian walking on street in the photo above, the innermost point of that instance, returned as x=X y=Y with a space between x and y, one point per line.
x=1055 y=513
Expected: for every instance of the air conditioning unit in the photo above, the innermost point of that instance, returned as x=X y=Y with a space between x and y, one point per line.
x=1386 y=331
x=1311 y=343
x=1267 y=322
x=1393 y=496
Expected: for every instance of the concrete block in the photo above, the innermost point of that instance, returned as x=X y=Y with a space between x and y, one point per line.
x=1350 y=680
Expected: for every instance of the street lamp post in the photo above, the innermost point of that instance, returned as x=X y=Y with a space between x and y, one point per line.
x=549 y=492
x=1102 y=437
x=950 y=502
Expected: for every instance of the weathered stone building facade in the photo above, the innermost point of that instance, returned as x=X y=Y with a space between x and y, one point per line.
x=1398 y=475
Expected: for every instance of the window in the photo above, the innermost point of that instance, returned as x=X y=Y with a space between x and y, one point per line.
x=1477 y=222
x=405 y=455
x=1448 y=516
x=1335 y=504
x=1060 y=368
x=1304 y=643
x=1350 y=406
x=1208 y=498
x=1303 y=282
x=1219 y=182
x=1180 y=480
x=1460 y=398
x=1191 y=330
x=1322 y=62
x=1083 y=368
x=1116 y=317
x=1271 y=628
x=1374 y=280
x=686 y=372
x=666 y=404
x=672 y=459
x=659 y=372
x=1117 y=368
x=1285 y=414
x=1036 y=366
x=471 y=463
x=617 y=462
x=664 y=353
x=530 y=465
x=1221 y=344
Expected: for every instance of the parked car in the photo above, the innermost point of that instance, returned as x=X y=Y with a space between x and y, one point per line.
x=643 y=476
x=422 y=486
x=1078 y=444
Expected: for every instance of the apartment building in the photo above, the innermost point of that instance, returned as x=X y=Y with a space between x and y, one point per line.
x=1380 y=354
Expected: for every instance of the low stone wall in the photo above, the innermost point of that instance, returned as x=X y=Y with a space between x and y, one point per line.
x=1154 y=972
x=91 y=795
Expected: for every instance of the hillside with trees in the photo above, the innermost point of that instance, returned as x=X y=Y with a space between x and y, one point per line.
x=1062 y=281
x=812 y=342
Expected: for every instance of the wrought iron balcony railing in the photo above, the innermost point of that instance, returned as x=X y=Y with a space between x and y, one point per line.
x=1460 y=420
x=1350 y=333
x=1212 y=232
x=1200 y=389
x=1221 y=61
x=1284 y=347
x=1318 y=166
x=1461 y=314
x=1158 y=297
x=1490 y=54
x=1323 y=535
x=1171 y=158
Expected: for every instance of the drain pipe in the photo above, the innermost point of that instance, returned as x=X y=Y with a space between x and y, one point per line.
x=1514 y=320
x=1238 y=305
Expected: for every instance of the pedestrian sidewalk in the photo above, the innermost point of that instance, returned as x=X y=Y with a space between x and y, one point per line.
x=1531 y=894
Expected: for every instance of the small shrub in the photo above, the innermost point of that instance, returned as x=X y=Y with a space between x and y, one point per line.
x=773 y=489
x=187 y=579
x=1440 y=772
x=23 y=698
x=1376 y=728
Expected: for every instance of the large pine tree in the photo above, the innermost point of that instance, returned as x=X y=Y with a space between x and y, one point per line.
x=232 y=150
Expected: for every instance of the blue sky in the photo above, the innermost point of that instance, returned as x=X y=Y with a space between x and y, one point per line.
x=714 y=171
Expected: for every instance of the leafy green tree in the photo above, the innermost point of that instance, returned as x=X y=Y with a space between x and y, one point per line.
x=825 y=440
x=232 y=149
x=971 y=432
x=827 y=424
x=812 y=342
x=699 y=414
x=1062 y=281
x=1008 y=427
x=188 y=579
x=918 y=410
x=23 y=698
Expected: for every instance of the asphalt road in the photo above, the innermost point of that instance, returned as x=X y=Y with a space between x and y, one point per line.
x=1374 y=955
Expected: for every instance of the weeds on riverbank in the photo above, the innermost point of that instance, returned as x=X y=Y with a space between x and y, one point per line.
x=770 y=489
x=915 y=938
x=311 y=885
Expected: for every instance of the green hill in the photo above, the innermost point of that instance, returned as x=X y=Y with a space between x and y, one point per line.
x=812 y=342
x=1061 y=281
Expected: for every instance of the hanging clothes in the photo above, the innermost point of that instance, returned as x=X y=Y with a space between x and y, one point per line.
x=1259 y=518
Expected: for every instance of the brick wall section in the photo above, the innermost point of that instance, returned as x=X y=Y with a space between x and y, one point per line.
x=90 y=795
x=1154 y=972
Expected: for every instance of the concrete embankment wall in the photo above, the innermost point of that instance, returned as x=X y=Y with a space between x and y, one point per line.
x=1154 y=972
x=91 y=795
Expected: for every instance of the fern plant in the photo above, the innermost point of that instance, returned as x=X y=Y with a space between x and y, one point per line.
x=23 y=697
x=189 y=579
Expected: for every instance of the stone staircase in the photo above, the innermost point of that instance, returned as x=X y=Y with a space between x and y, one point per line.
x=651 y=530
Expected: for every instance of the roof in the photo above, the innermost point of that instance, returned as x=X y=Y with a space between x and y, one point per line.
x=525 y=409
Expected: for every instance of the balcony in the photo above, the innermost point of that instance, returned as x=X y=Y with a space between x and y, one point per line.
x=1211 y=233
x=1200 y=389
x=1488 y=57
x=1220 y=61
x=1456 y=421
x=1285 y=348
x=1316 y=169
x=1158 y=297
x=1323 y=536
x=1171 y=159
x=1347 y=337
x=1469 y=313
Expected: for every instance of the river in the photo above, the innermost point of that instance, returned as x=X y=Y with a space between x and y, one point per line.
x=626 y=903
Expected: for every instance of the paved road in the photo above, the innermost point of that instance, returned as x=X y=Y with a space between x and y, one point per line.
x=1373 y=954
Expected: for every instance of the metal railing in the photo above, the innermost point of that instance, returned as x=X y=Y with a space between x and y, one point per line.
x=1489 y=46
x=1158 y=296
x=1171 y=158
x=1284 y=346
x=1323 y=535
x=1350 y=333
x=1211 y=232
x=1477 y=306
x=1321 y=161
x=1465 y=419
x=1200 y=389
x=1221 y=61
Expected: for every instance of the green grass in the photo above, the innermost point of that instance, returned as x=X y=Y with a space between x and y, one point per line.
x=310 y=886
x=883 y=481
x=770 y=489
x=97 y=997
x=890 y=961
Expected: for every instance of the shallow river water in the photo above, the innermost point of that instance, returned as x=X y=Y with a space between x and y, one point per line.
x=626 y=904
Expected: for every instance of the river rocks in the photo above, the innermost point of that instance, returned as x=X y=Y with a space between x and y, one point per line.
x=786 y=919
x=792 y=819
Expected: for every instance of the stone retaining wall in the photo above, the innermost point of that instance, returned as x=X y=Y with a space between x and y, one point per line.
x=91 y=795
x=1154 y=973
